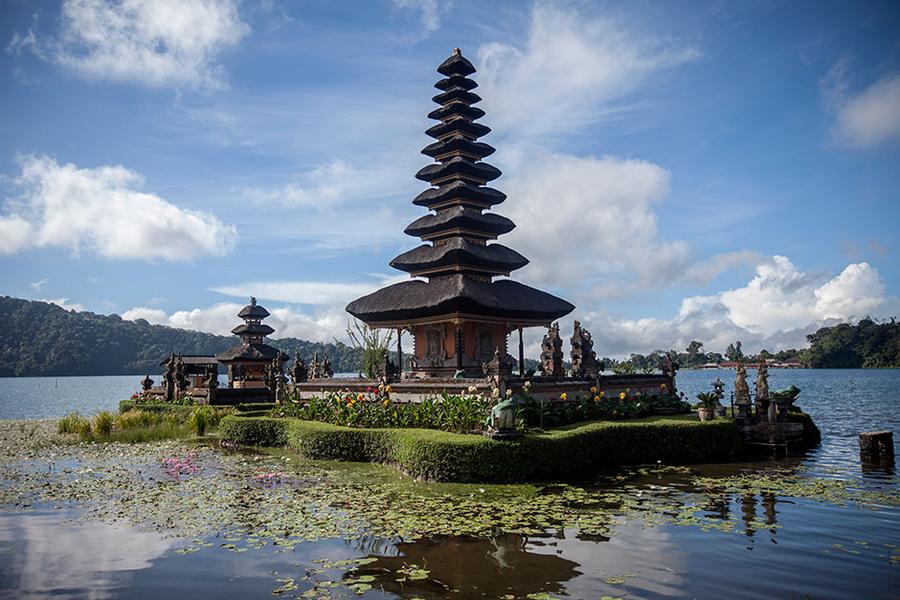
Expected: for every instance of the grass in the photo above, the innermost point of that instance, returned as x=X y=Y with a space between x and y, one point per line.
x=137 y=425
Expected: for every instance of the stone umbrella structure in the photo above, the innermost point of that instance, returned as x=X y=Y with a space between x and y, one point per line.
x=462 y=307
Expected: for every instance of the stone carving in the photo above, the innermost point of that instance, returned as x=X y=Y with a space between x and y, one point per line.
x=314 y=368
x=435 y=353
x=551 y=353
x=278 y=377
x=325 y=369
x=741 y=392
x=146 y=383
x=181 y=380
x=387 y=370
x=584 y=359
x=668 y=367
x=211 y=383
x=299 y=372
x=500 y=365
x=169 y=378
x=762 y=390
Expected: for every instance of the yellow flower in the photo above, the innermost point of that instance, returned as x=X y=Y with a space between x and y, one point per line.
x=622 y=395
x=360 y=397
x=388 y=389
x=594 y=389
x=602 y=393
x=662 y=386
x=386 y=402
x=596 y=398
x=564 y=396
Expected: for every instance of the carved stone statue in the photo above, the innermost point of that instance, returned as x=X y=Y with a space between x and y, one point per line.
x=387 y=370
x=181 y=380
x=325 y=369
x=146 y=383
x=314 y=368
x=762 y=390
x=552 y=354
x=279 y=380
x=741 y=392
x=668 y=367
x=169 y=378
x=211 y=383
x=499 y=365
x=501 y=423
x=299 y=372
x=584 y=359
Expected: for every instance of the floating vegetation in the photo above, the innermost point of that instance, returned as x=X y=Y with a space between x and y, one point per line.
x=275 y=500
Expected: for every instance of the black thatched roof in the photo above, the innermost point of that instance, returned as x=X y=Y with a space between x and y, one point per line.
x=458 y=143
x=456 y=64
x=451 y=294
x=457 y=94
x=249 y=352
x=460 y=252
x=253 y=329
x=456 y=81
x=456 y=110
x=191 y=359
x=253 y=311
x=458 y=263
x=462 y=191
x=459 y=166
x=458 y=127
x=460 y=217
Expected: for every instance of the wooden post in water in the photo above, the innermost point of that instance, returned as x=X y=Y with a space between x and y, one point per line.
x=876 y=446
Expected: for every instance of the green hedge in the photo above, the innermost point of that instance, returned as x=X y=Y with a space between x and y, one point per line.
x=255 y=408
x=566 y=453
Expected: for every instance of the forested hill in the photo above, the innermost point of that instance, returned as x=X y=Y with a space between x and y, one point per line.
x=38 y=338
x=865 y=345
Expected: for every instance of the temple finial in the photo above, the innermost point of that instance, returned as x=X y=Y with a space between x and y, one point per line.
x=252 y=301
x=457 y=51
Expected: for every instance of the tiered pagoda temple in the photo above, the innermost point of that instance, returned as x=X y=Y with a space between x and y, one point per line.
x=247 y=361
x=463 y=308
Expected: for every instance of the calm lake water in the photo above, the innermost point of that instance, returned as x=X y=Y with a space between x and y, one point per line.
x=784 y=545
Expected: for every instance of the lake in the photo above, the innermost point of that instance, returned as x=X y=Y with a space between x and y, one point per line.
x=817 y=526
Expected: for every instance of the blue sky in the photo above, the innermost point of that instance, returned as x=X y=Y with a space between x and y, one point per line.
x=710 y=171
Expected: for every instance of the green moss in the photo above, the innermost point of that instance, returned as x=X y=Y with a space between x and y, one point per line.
x=566 y=453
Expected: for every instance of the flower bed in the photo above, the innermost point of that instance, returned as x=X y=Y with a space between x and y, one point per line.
x=565 y=453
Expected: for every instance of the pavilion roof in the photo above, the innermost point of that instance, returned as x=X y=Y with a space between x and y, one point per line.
x=249 y=352
x=463 y=255
x=460 y=217
x=253 y=329
x=253 y=311
x=458 y=294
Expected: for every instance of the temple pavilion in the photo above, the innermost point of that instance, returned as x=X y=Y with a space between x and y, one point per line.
x=247 y=361
x=461 y=306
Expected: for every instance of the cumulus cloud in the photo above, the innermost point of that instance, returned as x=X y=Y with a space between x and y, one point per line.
x=104 y=211
x=327 y=184
x=322 y=325
x=307 y=292
x=155 y=43
x=569 y=71
x=589 y=224
x=63 y=303
x=774 y=310
x=865 y=118
x=430 y=12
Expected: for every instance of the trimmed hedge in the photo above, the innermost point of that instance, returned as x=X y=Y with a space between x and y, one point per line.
x=255 y=408
x=566 y=453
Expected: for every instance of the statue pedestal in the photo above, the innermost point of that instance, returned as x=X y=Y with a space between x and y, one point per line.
x=502 y=434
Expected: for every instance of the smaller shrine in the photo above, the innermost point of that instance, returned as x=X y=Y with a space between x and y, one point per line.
x=248 y=362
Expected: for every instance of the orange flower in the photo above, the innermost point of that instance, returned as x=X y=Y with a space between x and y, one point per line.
x=622 y=395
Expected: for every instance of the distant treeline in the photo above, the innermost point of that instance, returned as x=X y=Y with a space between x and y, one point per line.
x=867 y=344
x=42 y=339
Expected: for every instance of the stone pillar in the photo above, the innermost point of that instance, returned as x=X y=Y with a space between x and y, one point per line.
x=521 y=354
x=876 y=446
x=458 y=347
x=399 y=353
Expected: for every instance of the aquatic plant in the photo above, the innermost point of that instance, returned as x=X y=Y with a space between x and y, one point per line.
x=103 y=424
x=71 y=423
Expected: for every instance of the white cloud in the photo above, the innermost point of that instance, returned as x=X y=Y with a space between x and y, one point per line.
x=589 y=224
x=151 y=42
x=37 y=285
x=63 y=303
x=865 y=118
x=775 y=310
x=429 y=12
x=325 y=185
x=103 y=210
x=306 y=292
x=15 y=234
x=323 y=325
x=569 y=72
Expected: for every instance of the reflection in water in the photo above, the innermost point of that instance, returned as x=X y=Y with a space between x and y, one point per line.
x=41 y=557
x=493 y=567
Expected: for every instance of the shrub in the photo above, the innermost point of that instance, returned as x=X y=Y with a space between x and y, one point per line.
x=566 y=453
x=83 y=429
x=103 y=424
x=70 y=423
